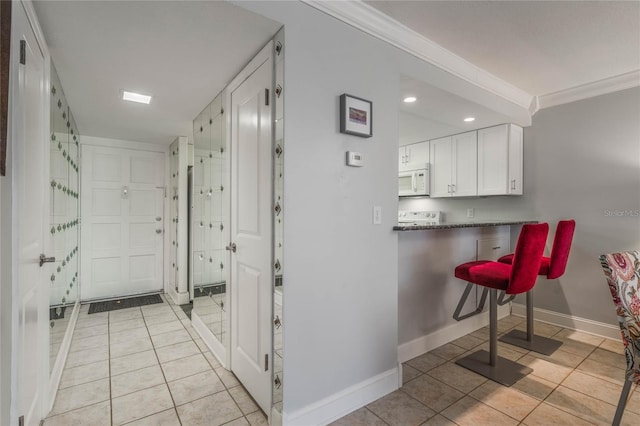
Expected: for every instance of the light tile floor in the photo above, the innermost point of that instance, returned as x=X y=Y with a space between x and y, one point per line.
x=578 y=385
x=146 y=366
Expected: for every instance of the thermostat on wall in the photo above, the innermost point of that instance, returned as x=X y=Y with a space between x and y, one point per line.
x=354 y=159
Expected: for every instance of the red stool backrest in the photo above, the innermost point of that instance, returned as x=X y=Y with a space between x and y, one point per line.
x=527 y=257
x=560 y=250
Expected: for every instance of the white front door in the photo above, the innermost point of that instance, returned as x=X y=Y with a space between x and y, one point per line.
x=30 y=167
x=251 y=230
x=122 y=222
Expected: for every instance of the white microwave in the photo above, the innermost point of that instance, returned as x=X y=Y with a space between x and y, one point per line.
x=414 y=183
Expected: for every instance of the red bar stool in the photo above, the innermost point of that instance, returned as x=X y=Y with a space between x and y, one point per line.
x=552 y=267
x=519 y=277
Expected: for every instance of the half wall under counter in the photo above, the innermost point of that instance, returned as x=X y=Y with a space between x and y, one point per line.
x=428 y=291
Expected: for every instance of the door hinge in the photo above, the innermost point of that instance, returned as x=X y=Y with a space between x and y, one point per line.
x=21 y=421
x=266 y=97
x=23 y=52
x=266 y=362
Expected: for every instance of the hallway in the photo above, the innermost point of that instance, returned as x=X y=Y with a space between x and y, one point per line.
x=146 y=366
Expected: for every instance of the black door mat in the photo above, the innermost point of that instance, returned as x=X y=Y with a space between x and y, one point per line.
x=131 y=302
x=57 y=313
x=187 y=308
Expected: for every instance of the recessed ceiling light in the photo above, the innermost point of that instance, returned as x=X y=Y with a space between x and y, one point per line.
x=135 y=97
x=409 y=99
x=469 y=119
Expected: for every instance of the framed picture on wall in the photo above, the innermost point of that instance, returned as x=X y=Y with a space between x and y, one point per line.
x=356 y=116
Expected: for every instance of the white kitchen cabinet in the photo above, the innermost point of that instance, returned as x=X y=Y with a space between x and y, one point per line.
x=413 y=156
x=500 y=160
x=454 y=166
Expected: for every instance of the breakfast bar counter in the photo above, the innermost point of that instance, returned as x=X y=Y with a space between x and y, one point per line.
x=454 y=225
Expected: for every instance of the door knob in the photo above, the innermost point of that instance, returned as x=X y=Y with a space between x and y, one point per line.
x=158 y=231
x=231 y=247
x=44 y=259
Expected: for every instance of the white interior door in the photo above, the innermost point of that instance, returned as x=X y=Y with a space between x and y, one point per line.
x=251 y=231
x=122 y=222
x=29 y=142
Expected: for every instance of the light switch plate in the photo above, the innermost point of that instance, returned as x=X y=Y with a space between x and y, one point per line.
x=354 y=159
x=377 y=215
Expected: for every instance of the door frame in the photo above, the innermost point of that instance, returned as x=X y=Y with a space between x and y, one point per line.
x=9 y=403
x=263 y=55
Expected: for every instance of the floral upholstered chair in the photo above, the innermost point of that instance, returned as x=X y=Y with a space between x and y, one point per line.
x=622 y=271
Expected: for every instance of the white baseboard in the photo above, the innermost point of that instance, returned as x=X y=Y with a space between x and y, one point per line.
x=424 y=344
x=344 y=402
x=178 y=298
x=569 y=321
x=214 y=345
x=61 y=359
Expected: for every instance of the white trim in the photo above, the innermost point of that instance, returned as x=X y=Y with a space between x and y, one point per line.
x=209 y=339
x=61 y=358
x=570 y=321
x=589 y=90
x=344 y=402
x=178 y=298
x=423 y=344
x=37 y=30
x=373 y=22
x=119 y=143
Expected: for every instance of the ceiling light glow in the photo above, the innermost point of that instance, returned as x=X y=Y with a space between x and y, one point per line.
x=409 y=99
x=469 y=119
x=135 y=97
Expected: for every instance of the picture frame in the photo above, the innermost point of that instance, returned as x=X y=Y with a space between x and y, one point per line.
x=356 y=116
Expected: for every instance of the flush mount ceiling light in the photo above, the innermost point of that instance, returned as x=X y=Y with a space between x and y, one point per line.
x=409 y=99
x=469 y=119
x=135 y=97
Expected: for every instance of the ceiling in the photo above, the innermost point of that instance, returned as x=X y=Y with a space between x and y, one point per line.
x=183 y=53
x=540 y=47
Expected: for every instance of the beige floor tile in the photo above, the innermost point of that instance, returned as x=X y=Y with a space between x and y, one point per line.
x=595 y=387
x=164 y=418
x=128 y=335
x=91 y=321
x=159 y=319
x=89 y=343
x=96 y=415
x=242 y=421
x=586 y=407
x=177 y=351
x=165 y=327
x=546 y=415
x=633 y=404
x=244 y=401
x=130 y=347
x=607 y=357
x=457 y=377
x=124 y=314
x=409 y=373
x=506 y=400
x=361 y=417
x=81 y=396
x=203 y=347
x=141 y=404
x=211 y=359
x=131 y=324
x=183 y=367
x=541 y=328
x=468 y=342
x=545 y=369
x=257 y=419
x=505 y=350
x=227 y=377
x=432 y=393
x=132 y=362
x=448 y=351
x=438 y=420
x=603 y=371
x=170 y=338
x=96 y=330
x=471 y=412
x=88 y=356
x=630 y=419
x=614 y=346
x=426 y=362
x=195 y=387
x=579 y=336
x=481 y=333
x=398 y=408
x=136 y=380
x=83 y=374
x=157 y=309
x=212 y=410
x=561 y=357
x=535 y=386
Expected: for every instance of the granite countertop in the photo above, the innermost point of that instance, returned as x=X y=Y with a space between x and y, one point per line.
x=478 y=224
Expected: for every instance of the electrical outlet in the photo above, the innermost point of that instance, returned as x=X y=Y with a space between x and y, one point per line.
x=471 y=212
x=377 y=215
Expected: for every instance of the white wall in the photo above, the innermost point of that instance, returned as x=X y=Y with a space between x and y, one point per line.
x=582 y=161
x=414 y=128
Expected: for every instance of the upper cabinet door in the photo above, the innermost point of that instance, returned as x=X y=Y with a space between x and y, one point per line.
x=465 y=166
x=401 y=159
x=516 y=155
x=441 y=167
x=493 y=158
x=413 y=157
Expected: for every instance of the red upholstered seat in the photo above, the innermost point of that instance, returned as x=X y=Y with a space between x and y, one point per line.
x=544 y=264
x=485 y=273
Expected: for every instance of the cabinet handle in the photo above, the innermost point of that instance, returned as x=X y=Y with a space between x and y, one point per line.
x=414 y=185
x=513 y=184
x=496 y=248
x=453 y=188
x=448 y=189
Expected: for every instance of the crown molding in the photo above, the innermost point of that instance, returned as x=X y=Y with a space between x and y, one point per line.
x=589 y=90
x=373 y=22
